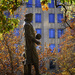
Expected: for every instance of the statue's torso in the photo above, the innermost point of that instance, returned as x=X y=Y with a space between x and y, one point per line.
x=30 y=45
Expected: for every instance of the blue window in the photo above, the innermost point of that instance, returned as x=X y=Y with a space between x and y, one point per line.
x=37 y=4
x=38 y=18
x=60 y=32
x=51 y=18
x=16 y=16
x=51 y=33
x=59 y=48
x=16 y=31
x=59 y=17
x=58 y=3
x=51 y=5
x=29 y=4
x=52 y=46
x=38 y=31
x=7 y=14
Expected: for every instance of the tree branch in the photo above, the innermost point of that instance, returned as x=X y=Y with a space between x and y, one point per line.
x=65 y=12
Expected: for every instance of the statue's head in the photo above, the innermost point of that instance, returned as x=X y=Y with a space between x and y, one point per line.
x=29 y=17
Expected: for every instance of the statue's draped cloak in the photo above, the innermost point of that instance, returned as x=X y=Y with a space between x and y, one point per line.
x=31 y=54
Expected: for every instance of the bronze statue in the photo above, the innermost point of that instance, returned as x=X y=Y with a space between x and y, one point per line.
x=30 y=39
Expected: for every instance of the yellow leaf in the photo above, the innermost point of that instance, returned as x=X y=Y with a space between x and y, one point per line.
x=65 y=73
x=1 y=36
x=10 y=11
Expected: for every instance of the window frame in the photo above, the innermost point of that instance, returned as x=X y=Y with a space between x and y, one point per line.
x=61 y=32
x=53 y=48
x=36 y=4
x=40 y=31
x=52 y=33
x=53 y=15
x=37 y=21
x=51 y=5
x=58 y=16
x=31 y=5
x=58 y=4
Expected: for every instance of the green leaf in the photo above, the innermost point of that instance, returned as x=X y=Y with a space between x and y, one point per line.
x=49 y=1
x=26 y=0
x=42 y=0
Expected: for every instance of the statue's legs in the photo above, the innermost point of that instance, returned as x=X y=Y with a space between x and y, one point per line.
x=29 y=69
x=36 y=68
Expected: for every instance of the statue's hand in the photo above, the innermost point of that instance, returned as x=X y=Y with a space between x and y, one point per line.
x=38 y=43
x=38 y=36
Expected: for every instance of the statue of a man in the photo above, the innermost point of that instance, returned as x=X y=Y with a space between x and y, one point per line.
x=31 y=54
